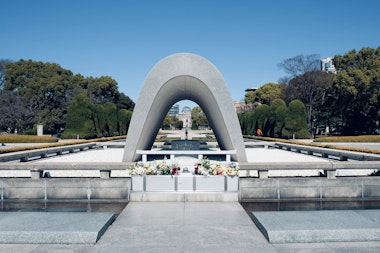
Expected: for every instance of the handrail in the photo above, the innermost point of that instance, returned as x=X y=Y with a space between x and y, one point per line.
x=343 y=155
x=37 y=169
x=24 y=156
x=172 y=153
x=265 y=144
x=329 y=167
x=111 y=144
x=105 y=168
x=66 y=166
x=186 y=152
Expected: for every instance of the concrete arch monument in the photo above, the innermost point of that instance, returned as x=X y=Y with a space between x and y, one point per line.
x=184 y=76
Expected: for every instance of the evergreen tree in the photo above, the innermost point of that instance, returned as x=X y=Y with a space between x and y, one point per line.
x=80 y=121
x=295 y=121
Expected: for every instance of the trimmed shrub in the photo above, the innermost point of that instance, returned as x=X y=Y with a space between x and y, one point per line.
x=88 y=120
x=31 y=131
x=12 y=138
x=295 y=122
x=360 y=138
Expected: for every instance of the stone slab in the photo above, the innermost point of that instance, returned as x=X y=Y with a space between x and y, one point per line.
x=319 y=226
x=53 y=227
x=165 y=227
x=184 y=197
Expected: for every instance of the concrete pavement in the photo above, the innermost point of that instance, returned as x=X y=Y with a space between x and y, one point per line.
x=188 y=227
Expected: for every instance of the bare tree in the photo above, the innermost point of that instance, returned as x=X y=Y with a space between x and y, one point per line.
x=299 y=65
x=308 y=87
x=15 y=112
x=2 y=72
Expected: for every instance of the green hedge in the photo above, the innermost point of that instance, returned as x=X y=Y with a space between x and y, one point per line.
x=12 y=138
x=88 y=120
x=360 y=138
x=15 y=149
x=365 y=150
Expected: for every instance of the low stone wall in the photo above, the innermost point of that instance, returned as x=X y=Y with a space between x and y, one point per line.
x=318 y=188
x=309 y=188
x=65 y=189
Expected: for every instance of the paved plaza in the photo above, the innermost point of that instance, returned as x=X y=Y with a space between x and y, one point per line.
x=200 y=226
x=188 y=227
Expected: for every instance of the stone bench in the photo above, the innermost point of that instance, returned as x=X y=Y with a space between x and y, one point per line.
x=329 y=168
x=37 y=169
x=265 y=144
x=25 y=156
x=173 y=153
x=342 y=155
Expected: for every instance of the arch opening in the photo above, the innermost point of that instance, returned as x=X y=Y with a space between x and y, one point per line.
x=184 y=77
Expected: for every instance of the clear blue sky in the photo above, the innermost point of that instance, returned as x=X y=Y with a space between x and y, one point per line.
x=245 y=40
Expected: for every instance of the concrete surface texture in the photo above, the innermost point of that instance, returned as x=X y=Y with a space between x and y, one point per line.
x=53 y=227
x=178 y=77
x=194 y=226
x=319 y=226
x=188 y=227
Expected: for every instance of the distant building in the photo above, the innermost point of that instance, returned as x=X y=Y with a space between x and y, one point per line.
x=250 y=89
x=185 y=116
x=328 y=65
x=174 y=110
x=242 y=107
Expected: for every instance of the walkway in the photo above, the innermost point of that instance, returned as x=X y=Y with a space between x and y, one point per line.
x=188 y=227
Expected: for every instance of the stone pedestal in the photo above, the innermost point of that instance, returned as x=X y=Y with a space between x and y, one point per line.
x=137 y=183
x=185 y=145
x=185 y=182
x=159 y=183
x=40 y=130
x=210 y=183
x=232 y=183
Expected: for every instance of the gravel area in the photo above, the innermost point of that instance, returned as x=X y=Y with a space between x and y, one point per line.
x=116 y=155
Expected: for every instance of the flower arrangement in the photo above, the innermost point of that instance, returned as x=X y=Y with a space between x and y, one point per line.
x=202 y=167
x=138 y=169
x=232 y=170
x=205 y=167
x=154 y=168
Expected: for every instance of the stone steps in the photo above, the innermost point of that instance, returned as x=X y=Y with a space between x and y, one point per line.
x=53 y=227
x=319 y=226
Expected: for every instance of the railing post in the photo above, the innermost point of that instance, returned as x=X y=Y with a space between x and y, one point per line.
x=343 y=158
x=104 y=174
x=263 y=174
x=331 y=174
x=36 y=174
x=25 y=158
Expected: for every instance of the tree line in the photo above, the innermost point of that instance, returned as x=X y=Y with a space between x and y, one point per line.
x=35 y=92
x=89 y=120
x=276 y=120
x=346 y=102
